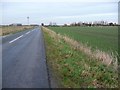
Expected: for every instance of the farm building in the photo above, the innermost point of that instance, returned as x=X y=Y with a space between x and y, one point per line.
x=16 y=24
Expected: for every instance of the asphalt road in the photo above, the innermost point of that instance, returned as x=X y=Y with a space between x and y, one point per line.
x=24 y=60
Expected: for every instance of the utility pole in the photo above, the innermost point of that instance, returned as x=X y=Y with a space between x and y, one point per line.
x=28 y=20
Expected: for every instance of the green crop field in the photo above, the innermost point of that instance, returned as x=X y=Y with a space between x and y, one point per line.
x=72 y=68
x=104 y=38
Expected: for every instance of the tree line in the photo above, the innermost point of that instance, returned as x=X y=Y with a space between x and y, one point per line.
x=95 y=23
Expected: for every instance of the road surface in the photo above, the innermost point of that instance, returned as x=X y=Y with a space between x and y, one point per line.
x=24 y=60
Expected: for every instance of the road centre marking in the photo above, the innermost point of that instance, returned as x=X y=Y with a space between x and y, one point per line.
x=28 y=32
x=19 y=37
x=16 y=39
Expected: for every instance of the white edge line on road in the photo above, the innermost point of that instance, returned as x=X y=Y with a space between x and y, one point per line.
x=16 y=39
x=6 y=36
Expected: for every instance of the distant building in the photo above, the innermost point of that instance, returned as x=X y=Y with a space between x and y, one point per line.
x=16 y=24
x=52 y=24
x=34 y=25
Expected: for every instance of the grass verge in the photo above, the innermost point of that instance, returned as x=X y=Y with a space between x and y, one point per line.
x=13 y=29
x=74 y=69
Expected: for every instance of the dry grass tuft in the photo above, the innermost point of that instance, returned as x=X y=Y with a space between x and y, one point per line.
x=12 y=29
x=0 y=31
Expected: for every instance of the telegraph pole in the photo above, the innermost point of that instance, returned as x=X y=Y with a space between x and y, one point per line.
x=28 y=20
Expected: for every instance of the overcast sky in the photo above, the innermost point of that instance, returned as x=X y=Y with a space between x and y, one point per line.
x=63 y=11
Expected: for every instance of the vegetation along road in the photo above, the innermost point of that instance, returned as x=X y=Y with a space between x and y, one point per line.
x=82 y=57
